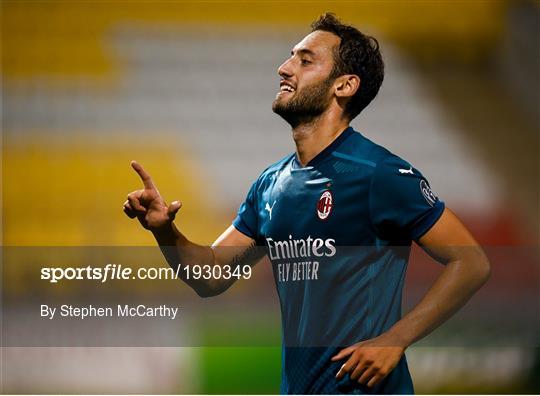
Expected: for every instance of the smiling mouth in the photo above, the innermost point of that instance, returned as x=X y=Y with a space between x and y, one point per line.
x=285 y=89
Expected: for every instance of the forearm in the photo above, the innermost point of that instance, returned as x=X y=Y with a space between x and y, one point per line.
x=178 y=250
x=453 y=288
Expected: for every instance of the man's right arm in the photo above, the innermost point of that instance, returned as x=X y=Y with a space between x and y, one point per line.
x=232 y=248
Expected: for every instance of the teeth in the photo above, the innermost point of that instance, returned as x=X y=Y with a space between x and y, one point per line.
x=286 y=88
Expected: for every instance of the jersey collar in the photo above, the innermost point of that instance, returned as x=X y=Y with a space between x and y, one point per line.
x=326 y=151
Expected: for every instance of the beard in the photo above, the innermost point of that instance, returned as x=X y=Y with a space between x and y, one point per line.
x=305 y=105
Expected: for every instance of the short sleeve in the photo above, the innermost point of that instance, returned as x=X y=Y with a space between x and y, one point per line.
x=246 y=220
x=402 y=205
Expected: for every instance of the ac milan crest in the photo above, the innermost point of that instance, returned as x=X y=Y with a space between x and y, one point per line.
x=324 y=206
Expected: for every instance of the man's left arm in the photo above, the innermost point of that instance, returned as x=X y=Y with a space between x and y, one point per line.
x=466 y=269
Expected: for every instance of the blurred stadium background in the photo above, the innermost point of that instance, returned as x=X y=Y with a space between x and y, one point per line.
x=185 y=88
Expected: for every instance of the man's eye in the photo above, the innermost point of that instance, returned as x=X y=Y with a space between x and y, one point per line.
x=305 y=61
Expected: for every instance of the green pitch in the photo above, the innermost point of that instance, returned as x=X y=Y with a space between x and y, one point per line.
x=243 y=355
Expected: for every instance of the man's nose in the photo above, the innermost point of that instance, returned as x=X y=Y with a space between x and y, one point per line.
x=285 y=69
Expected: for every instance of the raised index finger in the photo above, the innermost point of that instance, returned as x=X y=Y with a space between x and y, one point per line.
x=145 y=177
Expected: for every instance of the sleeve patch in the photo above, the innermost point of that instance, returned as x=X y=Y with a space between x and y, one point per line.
x=427 y=193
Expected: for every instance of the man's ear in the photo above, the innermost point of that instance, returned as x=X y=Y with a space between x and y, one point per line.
x=346 y=85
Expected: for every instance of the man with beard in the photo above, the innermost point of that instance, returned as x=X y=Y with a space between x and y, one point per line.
x=337 y=218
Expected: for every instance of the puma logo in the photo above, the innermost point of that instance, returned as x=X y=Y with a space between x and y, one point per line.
x=269 y=208
x=406 y=171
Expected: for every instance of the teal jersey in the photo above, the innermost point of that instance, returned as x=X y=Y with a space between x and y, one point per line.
x=338 y=232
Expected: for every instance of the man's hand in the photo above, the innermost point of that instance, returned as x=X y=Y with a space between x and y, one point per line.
x=370 y=361
x=148 y=205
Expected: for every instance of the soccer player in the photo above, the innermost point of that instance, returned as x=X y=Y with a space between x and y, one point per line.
x=337 y=218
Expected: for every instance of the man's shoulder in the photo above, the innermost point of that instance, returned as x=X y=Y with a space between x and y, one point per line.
x=361 y=149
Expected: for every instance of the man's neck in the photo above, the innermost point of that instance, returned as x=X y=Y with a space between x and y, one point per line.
x=312 y=138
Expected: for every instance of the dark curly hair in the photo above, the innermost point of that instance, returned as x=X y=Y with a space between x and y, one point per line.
x=357 y=54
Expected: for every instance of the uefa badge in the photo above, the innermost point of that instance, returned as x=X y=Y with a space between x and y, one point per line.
x=324 y=206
